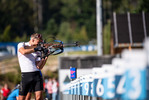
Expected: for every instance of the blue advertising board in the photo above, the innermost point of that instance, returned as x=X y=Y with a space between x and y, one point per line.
x=135 y=84
x=109 y=88
x=98 y=89
x=119 y=85
x=86 y=90
x=73 y=74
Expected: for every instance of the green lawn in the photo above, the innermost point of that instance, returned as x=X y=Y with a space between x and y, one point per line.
x=82 y=53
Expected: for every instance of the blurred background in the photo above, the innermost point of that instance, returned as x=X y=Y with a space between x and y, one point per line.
x=67 y=20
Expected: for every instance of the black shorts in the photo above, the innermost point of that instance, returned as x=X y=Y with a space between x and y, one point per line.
x=31 y=81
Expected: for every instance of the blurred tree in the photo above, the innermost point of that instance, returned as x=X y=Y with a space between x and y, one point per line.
x=79 y=13
x=18 y=14
x=22 y=15
x=107 y=38
x=70 y=9
x=22 y=38
x=65 y=32
x=51 y=10
x=91 y=27
x=51 y=28
x=6 y=36
x=133 y=6
x=81 y=35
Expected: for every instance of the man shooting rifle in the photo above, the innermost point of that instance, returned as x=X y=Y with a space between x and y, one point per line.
x=30 y=65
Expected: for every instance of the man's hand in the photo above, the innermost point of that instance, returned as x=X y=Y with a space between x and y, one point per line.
x=45 y=58
x=46 y=51
x=41 y=64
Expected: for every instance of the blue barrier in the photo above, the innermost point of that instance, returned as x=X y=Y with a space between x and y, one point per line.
x=81 y=48
x=5 y=44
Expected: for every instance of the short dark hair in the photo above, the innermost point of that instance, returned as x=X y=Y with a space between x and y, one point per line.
x=36 y=36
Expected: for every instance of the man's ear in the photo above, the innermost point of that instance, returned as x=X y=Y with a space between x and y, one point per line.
x=32 y=40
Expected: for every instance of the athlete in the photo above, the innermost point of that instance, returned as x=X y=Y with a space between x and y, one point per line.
x=30 y=65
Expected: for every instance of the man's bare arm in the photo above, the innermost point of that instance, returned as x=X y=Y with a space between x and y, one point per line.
x=27 y=49
x=41 y=63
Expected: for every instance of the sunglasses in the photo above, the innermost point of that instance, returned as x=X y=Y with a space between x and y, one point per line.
x=39 y=36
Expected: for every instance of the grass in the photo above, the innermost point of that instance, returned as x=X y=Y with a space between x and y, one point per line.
x=82 y=53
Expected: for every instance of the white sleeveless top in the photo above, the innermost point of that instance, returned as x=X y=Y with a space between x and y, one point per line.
x=28 y=61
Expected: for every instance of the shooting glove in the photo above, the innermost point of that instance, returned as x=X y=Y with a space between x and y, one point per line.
x=45 y=51
x=38 y=48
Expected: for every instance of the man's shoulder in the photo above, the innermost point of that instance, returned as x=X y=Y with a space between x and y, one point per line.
x=23 y=43
x=20 y=43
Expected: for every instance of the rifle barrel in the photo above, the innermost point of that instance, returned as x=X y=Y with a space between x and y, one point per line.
x=70 y=44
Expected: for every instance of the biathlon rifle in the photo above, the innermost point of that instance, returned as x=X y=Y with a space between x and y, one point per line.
x=54 y=48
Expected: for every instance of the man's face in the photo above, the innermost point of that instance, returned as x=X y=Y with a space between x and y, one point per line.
x=35 y=41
